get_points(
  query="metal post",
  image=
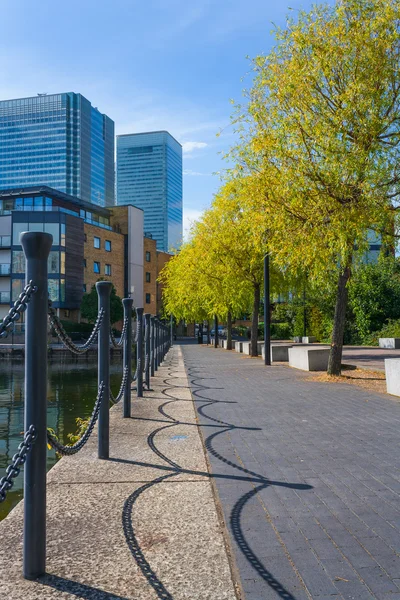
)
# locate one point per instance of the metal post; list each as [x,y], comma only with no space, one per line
[304,310]
[216,331]
[267,316]
[156,336]
[152,345]
[104,291]
[36,248]
[128,304]
[139,353]
[172,331]
[147,349]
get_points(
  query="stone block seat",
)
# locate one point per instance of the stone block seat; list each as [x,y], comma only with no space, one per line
[308,339]
[392,370]
[279,352]
[239,346]
[309,358]
[389,343]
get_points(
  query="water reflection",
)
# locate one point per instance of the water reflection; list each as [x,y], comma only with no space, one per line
[71,393]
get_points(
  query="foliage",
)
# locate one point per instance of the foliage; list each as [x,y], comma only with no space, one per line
[390,330]
[320,141]
[89,306]
[374,296]
[82,425]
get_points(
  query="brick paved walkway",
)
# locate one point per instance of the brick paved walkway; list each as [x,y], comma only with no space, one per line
[308,475]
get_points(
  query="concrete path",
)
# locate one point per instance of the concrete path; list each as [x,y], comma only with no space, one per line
[368,357]
[308,475]
[142,525]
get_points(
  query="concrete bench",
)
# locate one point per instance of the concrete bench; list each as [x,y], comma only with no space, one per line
[392,370]
[308,340]
[247,347]
[389,343]
[297,339]
[279,352]
[309,359]
[239,346]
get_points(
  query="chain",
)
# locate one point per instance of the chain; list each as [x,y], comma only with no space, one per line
[70,450]
[65,338]
[20,305]
[122,388]
[123,334]
[13,469]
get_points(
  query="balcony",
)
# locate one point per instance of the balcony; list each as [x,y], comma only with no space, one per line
[5,241]
[5,298]
[5,269]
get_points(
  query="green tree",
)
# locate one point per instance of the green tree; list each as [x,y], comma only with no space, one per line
[374,296]
[89,306]
[320,135]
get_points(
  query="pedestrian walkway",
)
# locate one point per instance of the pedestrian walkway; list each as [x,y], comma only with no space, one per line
[308,476]
[140,526]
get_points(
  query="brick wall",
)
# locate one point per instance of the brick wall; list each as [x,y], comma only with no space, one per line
[150,267]
[115,258]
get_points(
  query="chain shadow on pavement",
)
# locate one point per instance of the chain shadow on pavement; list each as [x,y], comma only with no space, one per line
[172,469]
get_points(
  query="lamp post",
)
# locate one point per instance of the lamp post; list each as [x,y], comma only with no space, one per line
[267,317]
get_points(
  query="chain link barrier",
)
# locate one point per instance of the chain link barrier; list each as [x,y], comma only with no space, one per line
[125,377]
[20,306]
[13,469]
[65,338]
[70,450]
[123,334]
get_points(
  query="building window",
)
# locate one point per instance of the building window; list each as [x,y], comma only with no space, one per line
[66,313]
[96,242]
[148,298]
[53,262]
[85,237]
[107,270]
[148,256]
[148,277]
[96,267]
[84,262]
[107,245]
[84,288]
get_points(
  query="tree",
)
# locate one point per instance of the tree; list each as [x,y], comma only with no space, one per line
[320,136]
[89,306]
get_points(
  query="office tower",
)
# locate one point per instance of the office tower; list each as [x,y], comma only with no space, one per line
[60,141]
[149,176]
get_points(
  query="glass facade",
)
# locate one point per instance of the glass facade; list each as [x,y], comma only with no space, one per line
[49,223]
[149,176]
[60,141]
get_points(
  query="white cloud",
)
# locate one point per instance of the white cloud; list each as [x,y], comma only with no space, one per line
[190,215]
[191,173]
[190,146]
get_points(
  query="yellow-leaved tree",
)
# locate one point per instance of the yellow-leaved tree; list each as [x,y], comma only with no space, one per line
[321,137]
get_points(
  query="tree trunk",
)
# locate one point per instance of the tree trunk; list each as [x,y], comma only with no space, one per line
[335,356]
[229,332]
[216,340]
[254,322]
[208,332]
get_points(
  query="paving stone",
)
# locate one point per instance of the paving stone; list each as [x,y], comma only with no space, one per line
[325,453]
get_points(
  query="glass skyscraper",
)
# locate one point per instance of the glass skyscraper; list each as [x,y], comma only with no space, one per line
[57,140]
[149,176]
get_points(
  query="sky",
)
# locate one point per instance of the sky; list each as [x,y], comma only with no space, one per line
[149,65]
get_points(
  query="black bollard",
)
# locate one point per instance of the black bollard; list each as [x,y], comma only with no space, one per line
[139,352]
[152,345]
[156,342]
[36,248]
[104,291]
[147,349]
[128,303]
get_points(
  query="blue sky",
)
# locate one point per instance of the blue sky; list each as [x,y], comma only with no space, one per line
[155,64]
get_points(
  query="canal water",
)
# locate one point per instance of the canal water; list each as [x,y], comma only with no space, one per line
[71,393]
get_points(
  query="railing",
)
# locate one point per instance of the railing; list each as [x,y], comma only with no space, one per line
[150,350]
[5,268]
[5,241]
[5,297]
